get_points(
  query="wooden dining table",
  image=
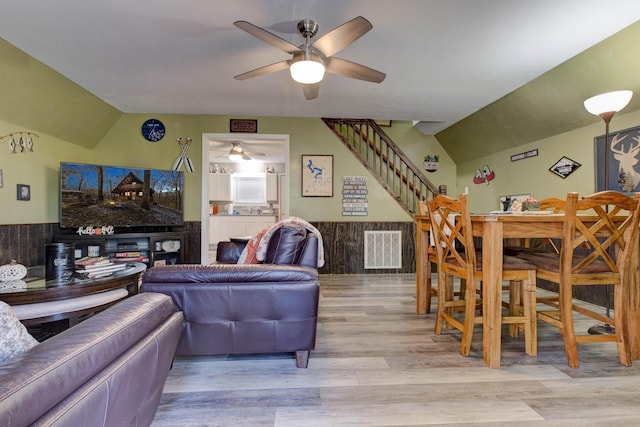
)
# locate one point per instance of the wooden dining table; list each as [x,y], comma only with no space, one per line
[493,229]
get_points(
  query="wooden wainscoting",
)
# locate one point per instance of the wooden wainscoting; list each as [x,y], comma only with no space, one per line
[344,246]
[26,244]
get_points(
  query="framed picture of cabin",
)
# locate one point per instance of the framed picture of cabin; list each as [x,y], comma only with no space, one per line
[615,161]
[317,175]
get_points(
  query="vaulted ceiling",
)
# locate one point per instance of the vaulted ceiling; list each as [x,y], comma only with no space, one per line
[445,59]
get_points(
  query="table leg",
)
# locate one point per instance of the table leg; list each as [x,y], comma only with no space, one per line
[421,274]
[491,292]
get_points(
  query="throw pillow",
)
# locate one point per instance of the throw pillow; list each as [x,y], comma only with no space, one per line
[14,338]
[248,255]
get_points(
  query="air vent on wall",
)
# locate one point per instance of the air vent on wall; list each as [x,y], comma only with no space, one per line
[383,249]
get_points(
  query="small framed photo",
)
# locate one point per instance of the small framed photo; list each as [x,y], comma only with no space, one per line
[507,201]
[24,192]
[317,175]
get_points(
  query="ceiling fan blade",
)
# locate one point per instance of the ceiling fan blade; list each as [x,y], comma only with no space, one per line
[310,91]
[253,153]
[342,36]
[272,68]
[267,37]
[352,70]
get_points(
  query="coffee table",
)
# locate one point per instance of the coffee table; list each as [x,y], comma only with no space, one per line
[43,301]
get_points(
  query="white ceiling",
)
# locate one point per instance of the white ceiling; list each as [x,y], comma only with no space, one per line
[444,59]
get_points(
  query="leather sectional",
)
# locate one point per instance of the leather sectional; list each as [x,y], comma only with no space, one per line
[108,370]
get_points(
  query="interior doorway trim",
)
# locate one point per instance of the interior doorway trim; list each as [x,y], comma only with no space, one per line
[207,138]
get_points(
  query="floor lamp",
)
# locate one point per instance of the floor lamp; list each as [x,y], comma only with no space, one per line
[606,105]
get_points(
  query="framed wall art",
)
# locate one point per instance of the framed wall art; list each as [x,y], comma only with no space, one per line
[615,161]
[317,175]
[24,192]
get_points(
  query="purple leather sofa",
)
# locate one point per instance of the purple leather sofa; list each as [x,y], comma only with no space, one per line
[247,308]
[108,370]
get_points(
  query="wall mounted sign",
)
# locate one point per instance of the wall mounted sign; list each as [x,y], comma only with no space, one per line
[525,155]
[243,125]
[564,167]
[153,130]
[354,196]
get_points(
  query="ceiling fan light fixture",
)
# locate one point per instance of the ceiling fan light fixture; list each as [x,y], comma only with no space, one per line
[235,154]
[307,70]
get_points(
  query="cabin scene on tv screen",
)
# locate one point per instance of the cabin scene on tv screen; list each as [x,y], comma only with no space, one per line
[98,195]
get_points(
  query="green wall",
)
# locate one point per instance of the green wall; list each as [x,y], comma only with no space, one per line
[532,175]
[75,126]
[100,134]
[33,93]
[123,145]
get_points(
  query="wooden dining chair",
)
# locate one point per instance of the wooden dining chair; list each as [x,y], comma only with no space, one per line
[431,262]
[528,245]
[457,257]
[603,225]
[520,245]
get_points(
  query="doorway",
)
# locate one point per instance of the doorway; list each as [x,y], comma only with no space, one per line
[262,151]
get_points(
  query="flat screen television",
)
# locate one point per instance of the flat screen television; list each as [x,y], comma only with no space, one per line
[98,195]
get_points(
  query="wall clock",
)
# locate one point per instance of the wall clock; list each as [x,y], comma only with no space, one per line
[153,130]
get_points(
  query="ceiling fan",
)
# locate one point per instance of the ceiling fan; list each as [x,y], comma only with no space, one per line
[310,60]
[237,152]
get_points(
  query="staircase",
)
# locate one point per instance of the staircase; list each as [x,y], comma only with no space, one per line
[403,180]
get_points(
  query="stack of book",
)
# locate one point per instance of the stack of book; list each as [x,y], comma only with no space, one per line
[96,267]
[133,256]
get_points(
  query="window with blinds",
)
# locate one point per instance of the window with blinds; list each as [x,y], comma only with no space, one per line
[249,188]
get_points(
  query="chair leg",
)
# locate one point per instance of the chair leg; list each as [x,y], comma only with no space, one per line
[621,320]
[442,299]
[529,313]
[429,286]
[515,306]
[469,319]
[568,332]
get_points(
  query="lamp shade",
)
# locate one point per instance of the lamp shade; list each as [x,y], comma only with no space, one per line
[610,102]
[307,71]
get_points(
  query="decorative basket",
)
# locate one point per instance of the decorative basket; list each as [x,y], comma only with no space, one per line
[430,166]
[12,271]
[431,162]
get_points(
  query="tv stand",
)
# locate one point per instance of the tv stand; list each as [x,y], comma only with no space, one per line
[151,248]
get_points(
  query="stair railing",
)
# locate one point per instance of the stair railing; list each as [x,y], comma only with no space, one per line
[401,178]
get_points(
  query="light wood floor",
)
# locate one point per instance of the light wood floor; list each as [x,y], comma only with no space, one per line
[377,363]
